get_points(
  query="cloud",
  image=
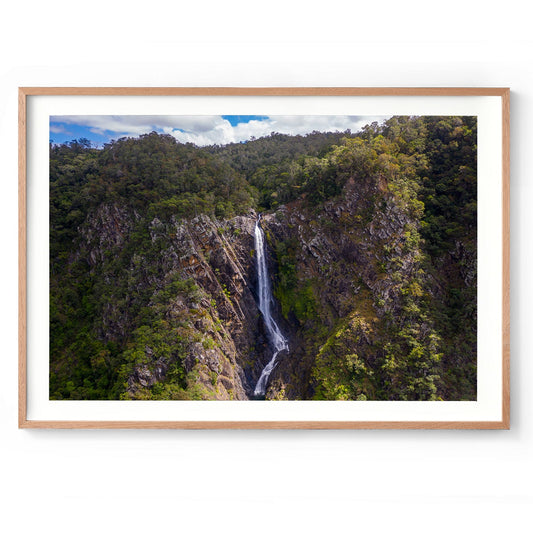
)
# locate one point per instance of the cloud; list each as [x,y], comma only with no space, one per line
[223,132]
[205,130]
[113,126]
[58,128]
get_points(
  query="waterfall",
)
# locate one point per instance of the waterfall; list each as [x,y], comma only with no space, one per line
[277,340]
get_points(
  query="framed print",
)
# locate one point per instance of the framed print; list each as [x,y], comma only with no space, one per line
[264,258]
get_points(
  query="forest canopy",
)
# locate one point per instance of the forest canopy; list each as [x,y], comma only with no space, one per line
[111,291]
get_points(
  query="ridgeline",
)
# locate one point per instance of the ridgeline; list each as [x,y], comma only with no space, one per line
[371,241]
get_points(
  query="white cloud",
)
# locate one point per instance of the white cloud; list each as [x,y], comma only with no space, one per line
[223,132]
[58,128]
[204,130]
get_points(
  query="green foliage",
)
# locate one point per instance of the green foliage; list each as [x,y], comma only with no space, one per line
[282,168]
[295,296]
[112,297]
[339,372]
[423,347]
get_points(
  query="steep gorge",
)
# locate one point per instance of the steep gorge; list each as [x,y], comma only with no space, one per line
[154,293]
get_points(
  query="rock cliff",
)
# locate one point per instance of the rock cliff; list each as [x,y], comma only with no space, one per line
[371,249]
[346,275]
[224,345]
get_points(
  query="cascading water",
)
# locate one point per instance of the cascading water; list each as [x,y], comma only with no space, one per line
[276,338]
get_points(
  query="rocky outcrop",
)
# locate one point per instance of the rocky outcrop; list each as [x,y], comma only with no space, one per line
[106,229]
[225,345]
[219,257]
[347,275]
[354,259]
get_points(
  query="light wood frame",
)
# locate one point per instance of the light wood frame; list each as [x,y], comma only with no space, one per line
[503,93]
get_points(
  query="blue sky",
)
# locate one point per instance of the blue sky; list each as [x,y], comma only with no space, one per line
[201,130]
[237,119]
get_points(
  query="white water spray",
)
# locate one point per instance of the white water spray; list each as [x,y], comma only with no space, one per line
[276,338]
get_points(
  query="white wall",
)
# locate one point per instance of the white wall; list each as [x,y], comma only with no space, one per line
[268,480]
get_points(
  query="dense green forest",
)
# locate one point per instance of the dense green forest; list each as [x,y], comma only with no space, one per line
[372,240]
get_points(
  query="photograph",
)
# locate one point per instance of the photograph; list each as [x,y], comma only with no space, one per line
[263,257]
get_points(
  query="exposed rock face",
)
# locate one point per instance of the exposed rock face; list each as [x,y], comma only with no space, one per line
[218,257]
[106,230]
[226,348]
[353,261]
[345,274]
